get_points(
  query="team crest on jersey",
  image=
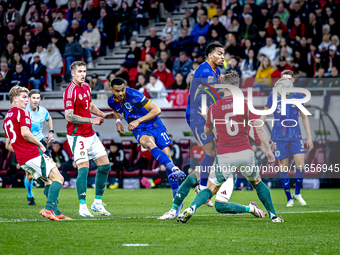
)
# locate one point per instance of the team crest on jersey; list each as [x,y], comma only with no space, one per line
[85,95]
[80,97]
[277,153]
[82,153]
[203,136]
[28,121]
[210,79]
[68,103]
[128,105]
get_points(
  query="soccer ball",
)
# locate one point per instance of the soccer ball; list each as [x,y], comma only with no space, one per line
[283,83]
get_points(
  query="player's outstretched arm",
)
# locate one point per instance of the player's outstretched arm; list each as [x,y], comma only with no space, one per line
[306,124]
[29,137]
[94,110]
[119,125]
[8,145]
[154,111]
[264,139]
[70,117]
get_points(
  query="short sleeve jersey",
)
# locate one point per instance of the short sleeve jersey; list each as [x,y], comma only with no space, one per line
[37,120]
[78,98]
[14,120]
[133,107]
[286,127]
[232,130]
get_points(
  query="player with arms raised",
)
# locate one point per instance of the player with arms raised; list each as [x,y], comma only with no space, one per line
[30,152]
[233,152]
[289,141]
[146,126]
[82,139]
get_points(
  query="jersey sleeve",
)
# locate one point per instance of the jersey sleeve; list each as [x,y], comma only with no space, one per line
[25,118]
[250,115]
[254,137]
[209,123]
[69,99]
[112,103]
[269,103]
[47,115]
[138,99]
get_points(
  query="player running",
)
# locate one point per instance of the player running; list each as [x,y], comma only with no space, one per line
[233,152]
[30,152]
[289,141]
[39,115]
[82,139]
[142,116]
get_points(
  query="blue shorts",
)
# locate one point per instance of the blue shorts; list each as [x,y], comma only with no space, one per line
[285,149]
[160,134]
[201,137]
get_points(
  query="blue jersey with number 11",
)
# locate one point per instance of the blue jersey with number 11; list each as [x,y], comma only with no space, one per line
[286,127]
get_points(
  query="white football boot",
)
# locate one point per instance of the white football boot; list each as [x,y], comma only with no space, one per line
[254,210]
[99,207]
[84,212]
[168,215]
[299,198]
[290,203]
[186,215]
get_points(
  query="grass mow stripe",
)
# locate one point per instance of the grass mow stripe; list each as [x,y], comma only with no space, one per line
[152,217]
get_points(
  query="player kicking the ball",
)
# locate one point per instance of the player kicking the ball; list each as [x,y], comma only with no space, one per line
[289,141]
[30,152]
[82,139]
[233,152]
[146,126]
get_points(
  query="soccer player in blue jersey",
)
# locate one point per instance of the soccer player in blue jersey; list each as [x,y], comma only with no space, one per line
[142,116]
[206,75]
[39,115]
[289,141]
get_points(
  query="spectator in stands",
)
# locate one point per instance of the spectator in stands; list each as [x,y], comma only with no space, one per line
[283,65]
[19,77]
[9,54]
[217,26]
[164,74]
[11,39]
[73,52]
[323,46]
[150,62]
[313,29]
[12,15]
[59,42]
[44,11]
[277,23]
[175,152]
[199,49]
[180,81]
[318,82]
[75,30]
[211,12]
[125,24]
[26,54]
[48,21]
[234,66]
[29,41]
[234,28]
[298,29]
[183,25]
[333,26]
[63,162]
[122,72]
[282,13]
[141,14]
[78,16]
[42,53]
[249,30]
[169,43]
[90,11]
[140,82]
[299,64]
[5,72]
[165,58]
[19,60]
[200,29]
[146,68]
[155,86]
[232,47]
[317,64]
[235,6]
[104,24]
[72,8]
[147,48]
[283,44]
[189,18]
[53,62]
[222,18]
[32,16]
[269,50]
[170,28]
[96,84]
[183,43]
[133,56]
[333,59]
[107,84]
[4,87]
[264,16]
[248,65]
[40,35]
[163,47]
[332,82]
[118,163]
[90,41]
[60,24]
[263,75]
[62,3]
[296,12]
[37,72]
[155,41]
[182,64]
[199,6]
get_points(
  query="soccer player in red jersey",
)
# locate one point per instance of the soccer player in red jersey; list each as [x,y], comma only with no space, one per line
[233,152]
[82,139]
[30,152]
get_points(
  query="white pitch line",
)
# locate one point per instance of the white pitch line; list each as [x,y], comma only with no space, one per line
[154,217]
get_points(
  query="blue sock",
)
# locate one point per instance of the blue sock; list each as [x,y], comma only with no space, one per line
[29,186]
[162,158]
[298,180]
[285,184]
[173,184]
[206,163]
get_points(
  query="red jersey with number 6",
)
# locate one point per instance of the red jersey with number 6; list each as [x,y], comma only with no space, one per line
[14,120]
[232,129]
[78,99]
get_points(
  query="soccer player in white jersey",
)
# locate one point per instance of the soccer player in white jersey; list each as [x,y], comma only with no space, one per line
[82,139]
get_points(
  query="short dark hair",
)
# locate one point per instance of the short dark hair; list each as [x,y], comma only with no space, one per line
[215,16]
[182,53]
[160,62]
[211,47]
[153,76]
[34,91]
[287,72]
[69,35]
[117,81]
[75,64]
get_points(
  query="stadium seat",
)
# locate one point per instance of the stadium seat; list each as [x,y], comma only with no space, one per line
[67,148]
[107,143]
[132,74]
[62,73]
[321,156]
[184,145]
[6,164]
[128,150]
[153,164]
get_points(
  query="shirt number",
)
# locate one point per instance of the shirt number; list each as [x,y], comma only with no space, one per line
[87,105]
[229,124]
[11,129]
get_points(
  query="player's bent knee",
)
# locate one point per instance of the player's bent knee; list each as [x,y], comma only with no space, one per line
[104,169]
[220,207]
[55,176]
[29,177]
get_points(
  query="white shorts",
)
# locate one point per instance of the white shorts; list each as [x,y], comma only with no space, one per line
[228,163]
[225,191]
[86,148]
[40,166]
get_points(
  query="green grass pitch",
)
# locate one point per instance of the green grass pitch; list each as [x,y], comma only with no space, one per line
[313,229]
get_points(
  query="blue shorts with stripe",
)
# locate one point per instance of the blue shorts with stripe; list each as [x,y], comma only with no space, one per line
[286,149]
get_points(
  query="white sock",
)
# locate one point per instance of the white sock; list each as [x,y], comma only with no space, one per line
[82,206]
[98,201]
[203,187]
[251,208]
